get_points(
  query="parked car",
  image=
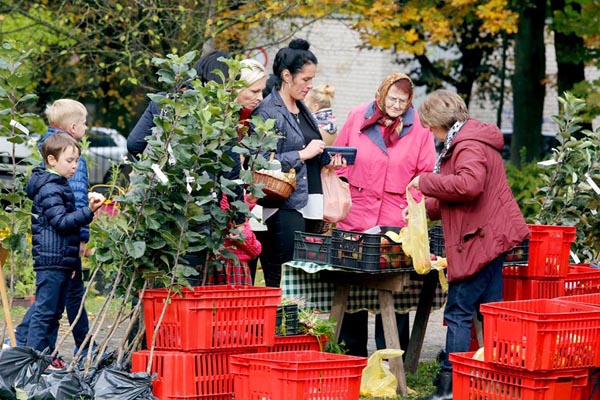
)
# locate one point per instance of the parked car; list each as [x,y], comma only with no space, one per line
[107,147]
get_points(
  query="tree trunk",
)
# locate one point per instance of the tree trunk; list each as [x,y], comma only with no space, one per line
[528,81]
[570,53]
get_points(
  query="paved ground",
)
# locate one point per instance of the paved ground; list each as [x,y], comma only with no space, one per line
[435,336]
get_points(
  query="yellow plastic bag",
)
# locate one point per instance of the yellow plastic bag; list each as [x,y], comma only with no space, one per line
[415,240]
[377,379]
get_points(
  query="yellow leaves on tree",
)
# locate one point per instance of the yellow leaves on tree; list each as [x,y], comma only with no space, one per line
[411,26]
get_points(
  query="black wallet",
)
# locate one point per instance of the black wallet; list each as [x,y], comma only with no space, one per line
[349,153]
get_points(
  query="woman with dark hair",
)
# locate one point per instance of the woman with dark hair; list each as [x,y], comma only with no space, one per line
[294,69]
[393,147]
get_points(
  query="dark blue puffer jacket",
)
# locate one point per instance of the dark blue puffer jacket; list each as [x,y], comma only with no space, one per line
[78,182]
[55,221]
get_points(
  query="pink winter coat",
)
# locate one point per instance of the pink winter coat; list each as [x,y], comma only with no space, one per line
[479,214]
[379,176]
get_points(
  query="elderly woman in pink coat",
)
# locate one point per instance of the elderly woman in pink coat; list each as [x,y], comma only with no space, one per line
[393,148]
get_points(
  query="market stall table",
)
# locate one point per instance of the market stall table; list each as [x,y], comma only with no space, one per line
[336,291]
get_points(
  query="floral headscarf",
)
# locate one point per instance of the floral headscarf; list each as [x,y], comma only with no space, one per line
[391,126]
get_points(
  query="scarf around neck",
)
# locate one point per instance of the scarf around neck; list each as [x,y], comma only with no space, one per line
[452,132]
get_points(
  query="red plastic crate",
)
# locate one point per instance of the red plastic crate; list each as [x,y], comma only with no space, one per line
[592,299]
[296,343]
[184,375]
[212,317]
[474,379]
[519,288]
[541,334]
[582,279]
[549,250]
[297,375]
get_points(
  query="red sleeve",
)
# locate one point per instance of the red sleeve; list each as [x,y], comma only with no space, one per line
[251,246]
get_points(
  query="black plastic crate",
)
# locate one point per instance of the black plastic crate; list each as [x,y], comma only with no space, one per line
[312,247]
[436,241]
[372,252]
[519,255]
[286,320]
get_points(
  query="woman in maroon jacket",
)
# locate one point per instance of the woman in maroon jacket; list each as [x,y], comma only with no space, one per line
[469,192]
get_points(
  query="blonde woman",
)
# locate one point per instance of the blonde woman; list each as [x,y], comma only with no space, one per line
[319,101]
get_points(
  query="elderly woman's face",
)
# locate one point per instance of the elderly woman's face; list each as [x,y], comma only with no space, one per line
[249,97]
[396,102]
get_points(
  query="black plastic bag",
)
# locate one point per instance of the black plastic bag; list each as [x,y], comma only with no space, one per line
[21,367]
[112,384]
[106,361]
[61,385]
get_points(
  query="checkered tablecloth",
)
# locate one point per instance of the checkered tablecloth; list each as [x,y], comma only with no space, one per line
[302,280]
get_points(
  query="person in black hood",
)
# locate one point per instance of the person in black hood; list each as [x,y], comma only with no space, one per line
[205,68]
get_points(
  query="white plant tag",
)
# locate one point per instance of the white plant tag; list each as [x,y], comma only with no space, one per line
[188,179]
[575,259]
[547,163]
[172,160]
[591,182]
[159,174]
[19,126]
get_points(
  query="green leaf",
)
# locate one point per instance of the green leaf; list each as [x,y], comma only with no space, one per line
[135,249]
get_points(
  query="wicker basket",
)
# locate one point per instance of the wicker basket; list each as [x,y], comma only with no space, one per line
[275,188]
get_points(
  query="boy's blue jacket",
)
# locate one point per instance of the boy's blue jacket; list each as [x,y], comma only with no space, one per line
[55,221]
[79,182]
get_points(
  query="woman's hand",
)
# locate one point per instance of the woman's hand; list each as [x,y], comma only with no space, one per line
[337,162]
[413,184]
[314,148]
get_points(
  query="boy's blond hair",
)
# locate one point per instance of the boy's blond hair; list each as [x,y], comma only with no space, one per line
[64,112]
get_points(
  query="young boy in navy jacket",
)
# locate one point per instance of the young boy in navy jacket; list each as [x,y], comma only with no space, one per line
[56,224]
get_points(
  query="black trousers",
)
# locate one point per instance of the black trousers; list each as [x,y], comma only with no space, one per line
[253,264]
[278,247]
[355,333]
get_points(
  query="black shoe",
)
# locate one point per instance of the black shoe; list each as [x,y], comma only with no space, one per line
[441,356]
[443,381]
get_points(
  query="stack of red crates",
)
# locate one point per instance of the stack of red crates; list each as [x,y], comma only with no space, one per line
[547,265]
[590,297]
[541,348]
[533,350]
[200,330]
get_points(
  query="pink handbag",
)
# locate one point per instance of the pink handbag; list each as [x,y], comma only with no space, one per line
[336,196]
